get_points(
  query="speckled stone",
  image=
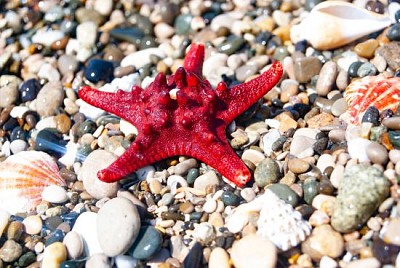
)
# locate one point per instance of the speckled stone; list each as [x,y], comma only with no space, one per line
[353,206]
[10,251]
[8,90]
[267,172]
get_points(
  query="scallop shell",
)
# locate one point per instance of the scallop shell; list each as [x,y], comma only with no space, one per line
[332,24]
[278,221]
[378,91]
[23,177]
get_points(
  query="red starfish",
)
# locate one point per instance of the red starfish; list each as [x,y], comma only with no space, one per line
[193,123]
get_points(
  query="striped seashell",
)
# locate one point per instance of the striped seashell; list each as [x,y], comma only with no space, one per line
[378,91]
[23,177]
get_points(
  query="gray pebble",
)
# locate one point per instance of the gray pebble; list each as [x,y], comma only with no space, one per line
[326,78]
[339,107]
[10,251]
[306,68]
[183,167]
[392,122]
[285,193]
[342,80]
[377,153]
[245,71]
[366,69]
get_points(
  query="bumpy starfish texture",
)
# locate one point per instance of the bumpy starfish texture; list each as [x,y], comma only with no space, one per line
[191,122]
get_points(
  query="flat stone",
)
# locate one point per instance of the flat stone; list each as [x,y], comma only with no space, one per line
[118,224]
[54,194]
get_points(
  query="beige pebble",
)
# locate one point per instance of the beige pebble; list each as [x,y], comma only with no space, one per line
[298,166]
[318,218]
[74,244]
[253,156]
[367,48]
[54,255]
[33,224]
[392,234]
[4,216]
[320,200]
[324,241]
[219,258]
[365,263]
[210,206]
[262,254]
[377,153]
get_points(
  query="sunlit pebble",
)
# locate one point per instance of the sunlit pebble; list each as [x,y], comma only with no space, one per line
[172,93]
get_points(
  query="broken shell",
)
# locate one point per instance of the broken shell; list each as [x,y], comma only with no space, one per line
[332,24]
[378,91]
[278,221]
[23,177]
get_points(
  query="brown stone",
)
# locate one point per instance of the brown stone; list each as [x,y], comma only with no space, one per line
[320,120]
[366,49]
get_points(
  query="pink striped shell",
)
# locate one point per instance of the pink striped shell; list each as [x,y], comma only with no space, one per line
[23,177]
[378,91]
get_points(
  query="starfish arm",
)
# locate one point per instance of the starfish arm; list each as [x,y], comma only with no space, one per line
[239,98]
[117,103]
[221,157]
[194,59]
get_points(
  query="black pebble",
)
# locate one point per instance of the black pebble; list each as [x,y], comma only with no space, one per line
[99,70]
[371,115]
[29,89]
[50,141]
[353,68]
[394,32]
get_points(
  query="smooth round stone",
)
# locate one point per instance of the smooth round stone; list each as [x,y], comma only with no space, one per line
[74,244]
[167,199]
[131,34]
[29,89]
[394,32]
[353,68]
[231,46]
[54,255]
[392,122]
[267,172]
[104,7]
[219,258]
[326,78]
[230,199]
[8,90]
[353,206]
[18,145]
[342,80]
[305,68]
[183,167]
[67,64]
[301,146]
[392,233]
[182,24]
[147,243]
[33,224]
[394,156]
[123,261]
[63,123]
[324,161]
[339,107]
[98,260]
[254,156]
[54,194]
[285,193]
[366,69]
[207,179]
[298,166]
[310,189]
[377,153]
[367,48]
[15,230]
[262,254]
[86,226]
[27,259]
[99,70]
[324,241]
[245,71]
[210,206]
[371,115]
[163,30]
[10,251]
[394,137]
[50,141]
[118,224]
[49,98]
[357,149]
[97,160]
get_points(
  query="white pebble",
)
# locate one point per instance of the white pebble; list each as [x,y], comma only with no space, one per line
[357,149]
[210,206]
[74,244]
[4,216]
[124,261]
[86,227]
[54,194]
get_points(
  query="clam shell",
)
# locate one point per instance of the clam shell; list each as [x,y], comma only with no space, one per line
[23,177]
[378,91]
[332,24]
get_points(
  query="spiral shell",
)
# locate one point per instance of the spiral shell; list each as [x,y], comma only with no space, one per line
[23,177]
[378,91]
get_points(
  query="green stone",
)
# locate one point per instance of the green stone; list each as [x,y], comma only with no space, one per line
[26,259]
[310,189]
[361,191]
[132,34]
[394,137]
[267,172]
[232,45]
[285,193]
[182,24]
[376,133]
[230,199]
[280,53]
[147,243]
[192,175]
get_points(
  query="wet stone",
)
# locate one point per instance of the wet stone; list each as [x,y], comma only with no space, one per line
[182,24]
[371,115]
[394,137]
[285,193]
[353,68]
[99,70]
[49,98]
[147,243]
[366,69]
[50,141]
[232,45]
[29,89]
[26,259]
[310,189]
[230,199]
[394,32]
[366,49]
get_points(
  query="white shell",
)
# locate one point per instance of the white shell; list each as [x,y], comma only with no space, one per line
[332,24]
[278,221]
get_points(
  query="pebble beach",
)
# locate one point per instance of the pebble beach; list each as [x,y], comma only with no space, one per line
[322,147]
